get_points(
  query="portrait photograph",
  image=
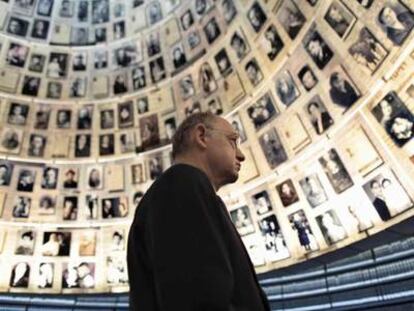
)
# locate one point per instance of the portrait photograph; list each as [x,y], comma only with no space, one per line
[18,114]
[44,7]
[49,177]
[272,42]
[239,44]
[46,274]
[54,90]
[85,115]
[107,119]
[331,227]
[26,180]
[342,89]
[237,124]
[207,81]
[157,69]
[21,207]
[56,243]
[100,59]
[272,148]
[335,171]
[214,105]
[26,242]
[37,63]
[387,195]
[91,206]
[242,220]
[300,224]
[63,118]
[313,189]
[40,29]
[117,241]
[212,30]
[20,275]
[319,117]
[127,142]
[31,85]
[187,20]
[100,11]
[201,7]
[396,21]
[120,83]
[87,243]
[142,105]
[70,208]
[339,18]
[178,56]
[42,117]
[253,72]
[78,275]
[291,18]
[262,111]
[367,51]
[138,77]
[94,177]
[78,87]
[71,178]
[287,192]
[186,87]
[17,26]
[149,130]
[11,140]
[58,65]
[6,172]
[286,88]
[193,39]
[229,10]
[396,119]
[155,166]
[125,114]
[170,126]
[114,208]
[223,63]
[79,61]
[256,16]
[126,55]
[366,4]
[17,55]
[261,203]
[47,205]
[82,145]
[307,77]
[275,245]
[138,173]
[66,8]
[37,145]
[117,273]
[153,43]
[154,13]
[318,50]
[118,30]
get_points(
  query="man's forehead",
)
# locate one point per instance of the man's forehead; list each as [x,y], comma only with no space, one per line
[224,125]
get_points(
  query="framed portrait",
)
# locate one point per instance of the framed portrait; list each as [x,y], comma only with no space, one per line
[342,90]
[118,29]
[335,171]
[237,124]
[272,148]
[178,57]
[307,77]
[261,202]
[139,79]
[42,117]
[287,192]
[291,18]
[114,207]
[94,177]
[46,275]
[20,274]
[100,59]
[70,208]
[44,7]
[18,114]
[117,241]
[142,105]
[318,116]
[154,13]
[37,62]
[21,207]
[76,275]
[271,42]
[318,50]
[11,140]
[47,205]
[340,19]
[17,55]
[300,225]
[116,271]
[120,83]
[186,20]
[100,11]
[66,8]
[242,220]
[286,88]
[155,166]
[26,242]
[40,29]
[92,206]
[63,118]
[82,145]
[186,87]
[6,172]
[58,65]
[263,110]
[100,34]
[17,26]
[331,227]
[79,61]
[54,90]
[387,195]
[31,85]
[125,114]
[256,16]
[275,245]
[153,43]
[85,115]
[228,10]
[170,126]
[396,119]
[26,180]
[239,44]
[56,243]
[71,178]
[223,63]
[149,130]
[107,119]
[138,173]
[127,142]
[49,177]
[157,69]
[253,72]
[78,87]
[212,30]
[313,190]
[87,243]
[24,7]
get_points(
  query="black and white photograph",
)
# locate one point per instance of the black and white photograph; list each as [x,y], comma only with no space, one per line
[366,4]
[44,7]
[126,55]
[37,62]
[319,117]
[6,172]
[56,243]
[82,145]
[50,177]
[239,44]
[212,30]
[272,148]
[47,205]
[26,242]
[272,42]
[155,166]
[242,220]
[202,6]
[262,111]
[193,39]
[138,173]
[118,241]
[154,13]
[170,127]
[11,140]
[87,243]
[118,30]
[21,207]
[261,202]
[92,206]
[100,59]
[116,271]
[149,130]
[256,16]
[20,275]
[229,10]
[71,178]
[287,192]
[178,56]
[396,119]
[125,114]
[223,63]
[318,49]
[300,224]
[186,87]
[24,7]
[335,171]
[157,70]
[214,105]
[139,80]
[30,85]
[42,117]
[342,91]
[275,245]
[331,227]
[100,11]
[70,208]
[79,61]
[100,34]
[66,8]
[26,180]
[187,20]
[40,29]
[339,18]
[207,81]
[120,83]
[94,177]
[106,144]
[142,105]
[78,87]
[291,18]
[54,90]
[58,65]
[253,72]
[114,208]
[313,189]
[18,114]
[107,119]
[17,55]
[153,44]
[85,114]
[78,275]
[46,274]
[63,118]
[396,21]
[307,77]
[367,51]
[286,88]
[17,26]
[238,126]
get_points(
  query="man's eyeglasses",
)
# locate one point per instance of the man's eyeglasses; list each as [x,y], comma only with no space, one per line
[233,137]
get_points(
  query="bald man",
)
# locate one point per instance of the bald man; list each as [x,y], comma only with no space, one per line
[184,252]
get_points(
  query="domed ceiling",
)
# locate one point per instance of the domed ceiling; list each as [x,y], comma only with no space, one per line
[92,91]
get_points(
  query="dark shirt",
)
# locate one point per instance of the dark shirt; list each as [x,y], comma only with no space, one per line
[185,254]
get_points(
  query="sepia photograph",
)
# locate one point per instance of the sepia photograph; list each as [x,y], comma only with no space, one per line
[56,243]
[287,192]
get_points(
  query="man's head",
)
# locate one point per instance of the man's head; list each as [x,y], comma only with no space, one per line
[210,143]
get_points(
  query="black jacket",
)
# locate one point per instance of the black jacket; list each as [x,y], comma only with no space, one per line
[184,254]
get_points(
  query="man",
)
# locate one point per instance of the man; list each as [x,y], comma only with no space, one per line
[184,253]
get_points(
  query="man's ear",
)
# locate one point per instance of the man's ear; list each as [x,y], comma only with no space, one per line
[200,136]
